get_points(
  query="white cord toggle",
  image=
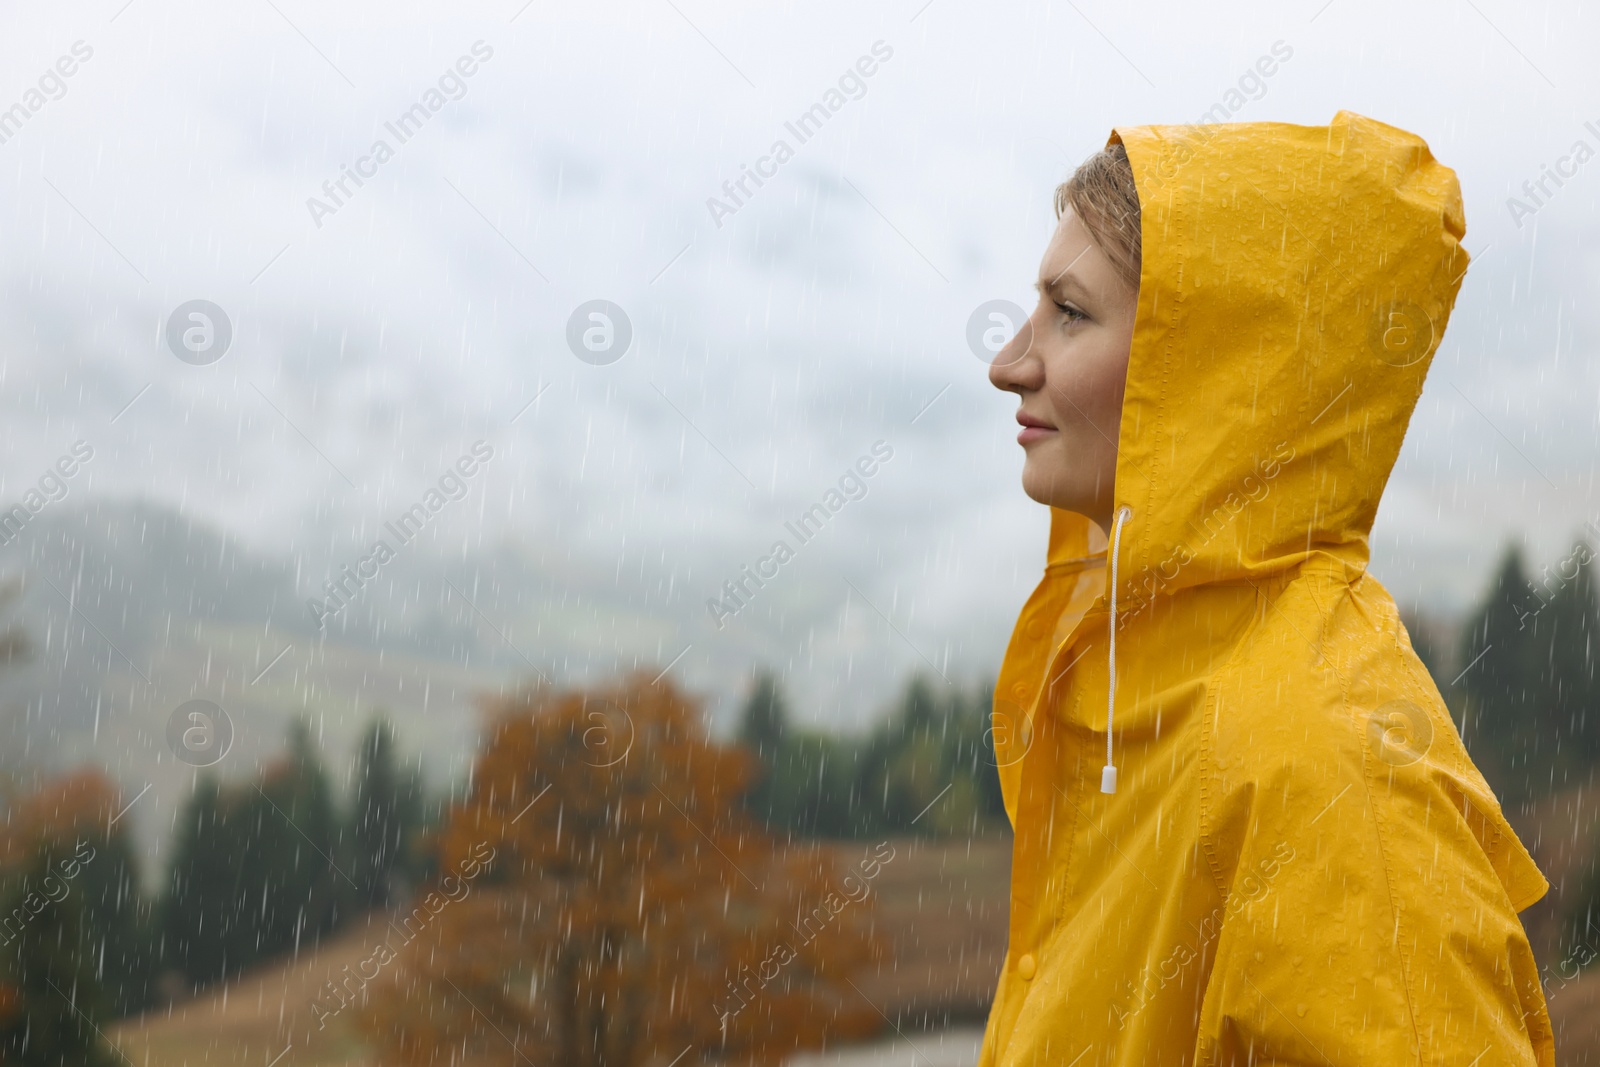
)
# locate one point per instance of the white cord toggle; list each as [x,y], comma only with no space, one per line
[1108,774]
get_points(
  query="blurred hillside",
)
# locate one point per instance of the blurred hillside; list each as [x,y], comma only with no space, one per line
[132,609]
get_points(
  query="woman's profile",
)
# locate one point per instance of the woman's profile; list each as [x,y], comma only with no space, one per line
[1246,828]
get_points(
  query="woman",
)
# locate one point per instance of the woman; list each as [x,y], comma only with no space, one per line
[1247,831]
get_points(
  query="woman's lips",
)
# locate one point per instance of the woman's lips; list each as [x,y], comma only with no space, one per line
[1033,429]
[1031,434]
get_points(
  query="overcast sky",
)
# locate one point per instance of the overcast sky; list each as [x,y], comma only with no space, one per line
[377,337]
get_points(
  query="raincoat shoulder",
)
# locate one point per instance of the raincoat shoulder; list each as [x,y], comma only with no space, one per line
[1339,791]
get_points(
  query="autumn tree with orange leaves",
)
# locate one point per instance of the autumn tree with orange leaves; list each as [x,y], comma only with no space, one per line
[608,902]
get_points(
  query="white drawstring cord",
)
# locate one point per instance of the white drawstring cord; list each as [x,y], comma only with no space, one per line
[1108,774]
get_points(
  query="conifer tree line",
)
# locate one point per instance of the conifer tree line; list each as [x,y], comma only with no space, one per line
[927,769]
[271,867]
[260,870]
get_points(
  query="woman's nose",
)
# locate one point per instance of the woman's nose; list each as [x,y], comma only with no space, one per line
[1016,365]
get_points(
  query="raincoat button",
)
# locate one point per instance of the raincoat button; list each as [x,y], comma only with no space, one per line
[1025,967]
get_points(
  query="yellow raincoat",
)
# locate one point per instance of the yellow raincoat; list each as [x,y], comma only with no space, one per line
[1299,863]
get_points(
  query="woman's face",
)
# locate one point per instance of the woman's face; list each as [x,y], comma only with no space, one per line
[1069,364]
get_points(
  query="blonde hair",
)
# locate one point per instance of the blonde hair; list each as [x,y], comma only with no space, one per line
[1101,192]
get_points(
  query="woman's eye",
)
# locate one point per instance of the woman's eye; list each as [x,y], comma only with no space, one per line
[1071,312]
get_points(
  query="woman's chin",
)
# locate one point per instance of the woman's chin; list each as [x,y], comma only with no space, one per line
[1047,488]
[1058,493]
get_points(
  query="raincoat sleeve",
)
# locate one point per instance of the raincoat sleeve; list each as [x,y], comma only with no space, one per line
[1371,903]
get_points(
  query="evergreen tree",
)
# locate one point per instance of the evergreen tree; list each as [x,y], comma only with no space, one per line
[1529,691]
[921,713]
[973,764]
[55,999]
[1499,685]
[254,872]
[198,913]
[15,645]
[295,872]
[763,729]
[811,787]
[420,816]
[766,717]
[118,920]
[381,818]
[1568,627]
[903,766]
[927,768]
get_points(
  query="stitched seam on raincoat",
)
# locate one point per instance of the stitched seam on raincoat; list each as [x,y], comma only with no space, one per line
[1258,615]
[1208,741]
[1207,746]
[1175,224]
[1058,906]
[1407,972]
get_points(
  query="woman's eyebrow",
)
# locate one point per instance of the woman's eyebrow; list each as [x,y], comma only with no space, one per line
[1065,280]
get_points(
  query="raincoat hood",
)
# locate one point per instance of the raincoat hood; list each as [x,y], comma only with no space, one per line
[1271,723]
[1297,278]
